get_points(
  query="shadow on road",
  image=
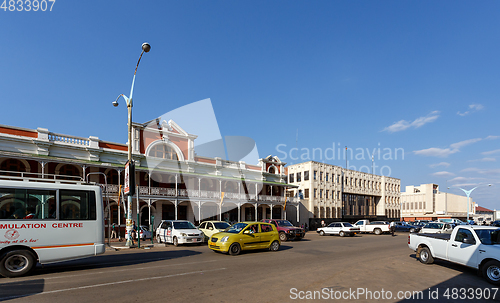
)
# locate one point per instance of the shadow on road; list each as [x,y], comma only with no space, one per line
[16,289]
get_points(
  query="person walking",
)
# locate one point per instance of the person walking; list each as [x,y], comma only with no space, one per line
[393,227]
[113,231]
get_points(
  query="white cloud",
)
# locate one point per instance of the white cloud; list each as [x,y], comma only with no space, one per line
[443,174]
[460,144]
[445,152]
[403,124]
[472,108]
[491,152]
[494,171]
[492,137]
[436,152]
[445,164]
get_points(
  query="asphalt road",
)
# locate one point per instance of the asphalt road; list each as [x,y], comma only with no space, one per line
[330,268]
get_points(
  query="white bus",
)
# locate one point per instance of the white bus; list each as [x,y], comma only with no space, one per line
[48,221]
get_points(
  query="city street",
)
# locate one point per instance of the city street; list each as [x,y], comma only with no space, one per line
[350,268]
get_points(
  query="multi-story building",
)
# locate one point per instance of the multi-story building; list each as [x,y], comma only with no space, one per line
[427,202]
[173,181]
[331,191]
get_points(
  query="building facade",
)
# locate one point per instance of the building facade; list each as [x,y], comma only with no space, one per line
[427,202]
[333,192]
[173,181]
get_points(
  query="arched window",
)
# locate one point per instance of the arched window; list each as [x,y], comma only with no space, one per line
[163,151]
[12,165]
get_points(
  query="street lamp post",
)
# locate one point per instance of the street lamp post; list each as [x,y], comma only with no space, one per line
[145,48]
[468,192]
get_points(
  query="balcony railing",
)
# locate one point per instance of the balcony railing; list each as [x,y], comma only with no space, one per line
[202,194]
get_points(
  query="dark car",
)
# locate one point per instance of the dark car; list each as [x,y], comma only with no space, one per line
[403,226]
[495,223]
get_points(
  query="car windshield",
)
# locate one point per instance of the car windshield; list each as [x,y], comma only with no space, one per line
[488,236]
[184,225]
[347,224]
[221,225]
[283,223]
[236,228]
[434,225]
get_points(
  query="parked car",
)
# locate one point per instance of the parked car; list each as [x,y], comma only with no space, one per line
[286,229]
[495,223]
[178,232]
[470,245]
[211,227]
[376,227]
[437,228]
[403,226]
[245,236]
[338,228]
[144,233]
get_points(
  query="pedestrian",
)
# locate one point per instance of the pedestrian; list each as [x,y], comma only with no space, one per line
[393,227]
[134,231]
[113,232]
[322,223]
[305,227]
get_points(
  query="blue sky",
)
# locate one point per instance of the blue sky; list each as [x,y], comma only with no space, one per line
[418,76]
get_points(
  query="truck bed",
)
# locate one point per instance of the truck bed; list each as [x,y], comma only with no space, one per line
[435,236]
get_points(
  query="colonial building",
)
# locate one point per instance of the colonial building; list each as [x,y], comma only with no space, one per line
[331,191]
[173,181]
[427,202]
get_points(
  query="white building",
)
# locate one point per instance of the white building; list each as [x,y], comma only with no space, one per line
[174,182]
[427,202]
[331,191]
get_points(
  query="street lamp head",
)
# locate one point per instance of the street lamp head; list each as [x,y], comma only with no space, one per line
[146,47]
[115,103]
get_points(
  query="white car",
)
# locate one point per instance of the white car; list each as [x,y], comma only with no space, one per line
[144,233]
[338,228]
[437,228]
[178,232]
[211,227]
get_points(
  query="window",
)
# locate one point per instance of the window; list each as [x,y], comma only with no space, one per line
[306,193]
[290,178]
[326,177]
[266,228]
[27,203]
[464,234]
[315,191]
[314,175]
[299,177]
[77,205]
[321,193]
[163,151]
[327,192]
[306,175]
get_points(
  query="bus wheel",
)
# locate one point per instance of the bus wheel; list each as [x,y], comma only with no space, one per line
[16,263]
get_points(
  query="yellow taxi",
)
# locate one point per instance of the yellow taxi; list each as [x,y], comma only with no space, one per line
[246,236]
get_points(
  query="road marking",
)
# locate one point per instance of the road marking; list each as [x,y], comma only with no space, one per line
[112,283]
[121,270]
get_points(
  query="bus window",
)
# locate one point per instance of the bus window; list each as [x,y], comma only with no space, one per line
[77,205]
[25,203]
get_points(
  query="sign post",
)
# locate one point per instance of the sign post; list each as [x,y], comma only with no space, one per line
[129,190]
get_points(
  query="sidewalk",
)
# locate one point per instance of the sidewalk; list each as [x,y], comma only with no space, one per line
[115,244]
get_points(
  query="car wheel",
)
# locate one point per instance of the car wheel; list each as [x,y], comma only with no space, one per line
[175,241]
[341,233]
[16,263]
[234,249]
[275,246]
[491,271]
[425,256]
[377,231]
[283,237]
[322,233]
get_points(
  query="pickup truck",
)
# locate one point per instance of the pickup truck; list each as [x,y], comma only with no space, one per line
[375,227]
[286,229]
[473,246]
